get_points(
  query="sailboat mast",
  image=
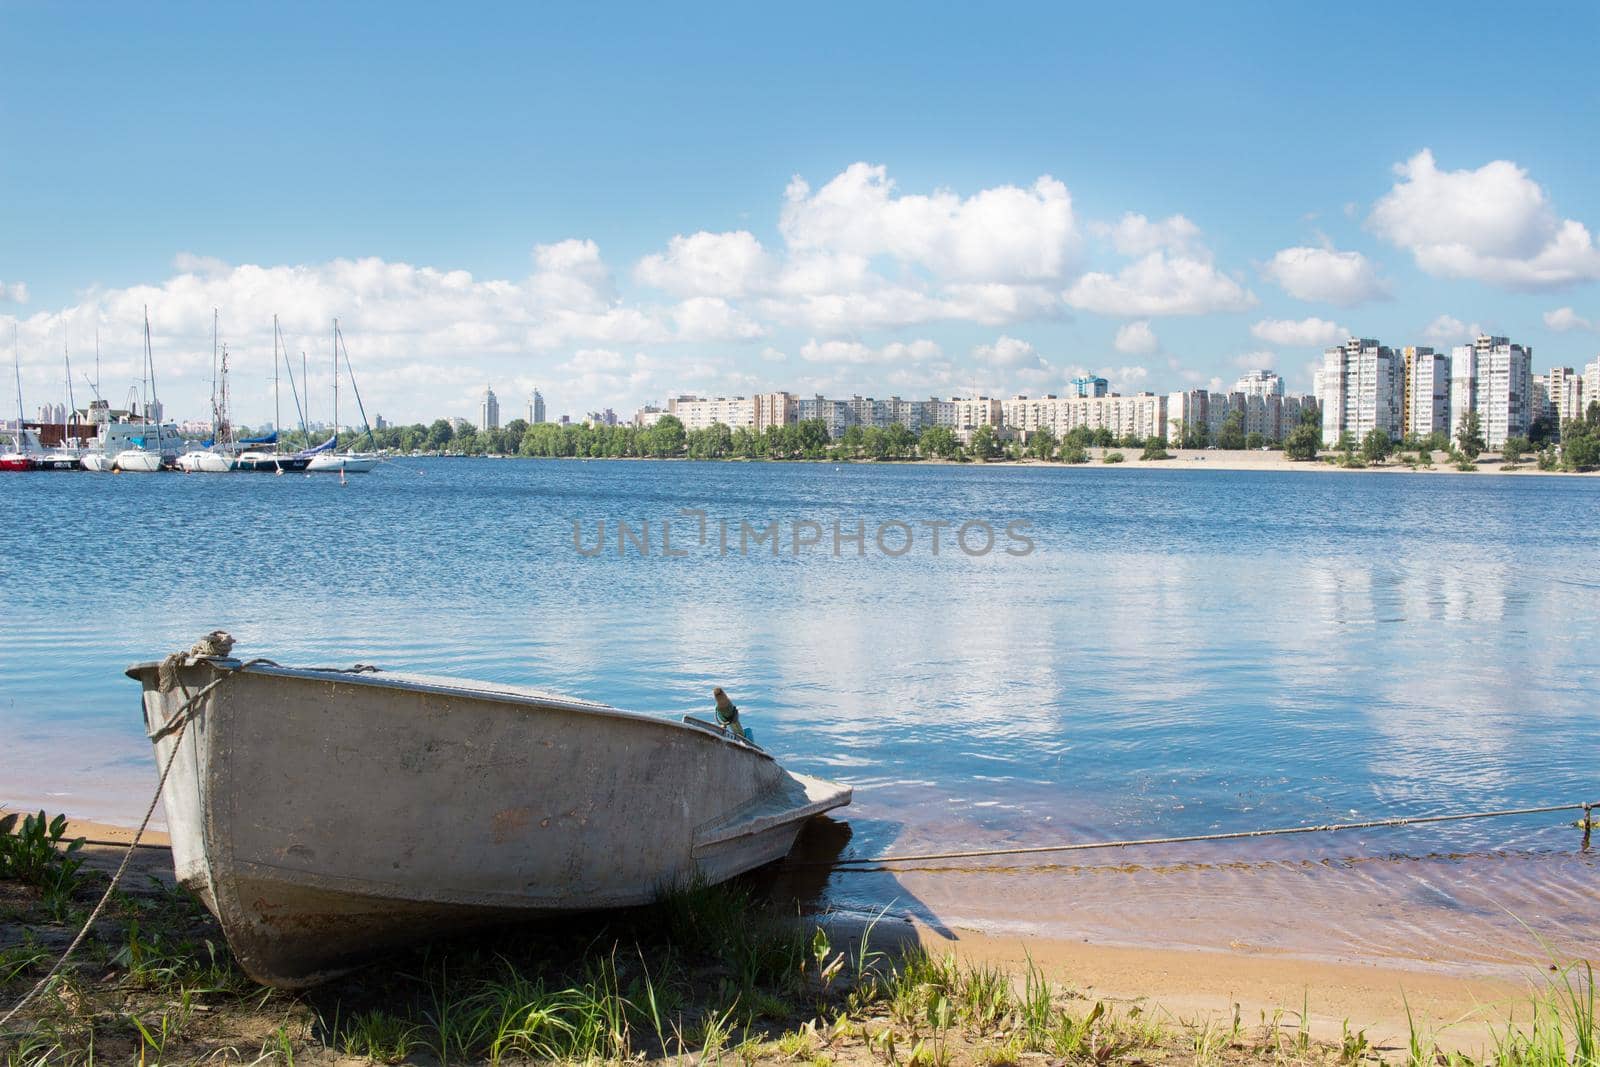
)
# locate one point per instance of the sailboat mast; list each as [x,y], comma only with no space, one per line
[333,343]
[150,362]
[16,362]
[277,408]
[213,373]
[72,402]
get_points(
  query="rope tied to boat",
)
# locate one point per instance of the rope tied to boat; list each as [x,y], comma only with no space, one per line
[213,650]
[864,864]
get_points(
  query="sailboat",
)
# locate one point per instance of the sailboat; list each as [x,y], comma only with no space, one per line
[259,460]
[15,458]
[146,456]
[212,457]
[343,462]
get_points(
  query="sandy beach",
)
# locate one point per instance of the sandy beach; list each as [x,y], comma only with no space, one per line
[1188,987]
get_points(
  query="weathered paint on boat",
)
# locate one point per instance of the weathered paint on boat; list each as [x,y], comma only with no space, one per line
[324,817]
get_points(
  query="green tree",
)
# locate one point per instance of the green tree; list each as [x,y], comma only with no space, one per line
[1042,443]
[666,438]
[1376,446]
[1470,437]
[1303,442]
[984,443]
[1074,453]
[1255,440]
[898,440]
[1155,448]
[1230,434]
[439,434]
[1515,449]
[937,441]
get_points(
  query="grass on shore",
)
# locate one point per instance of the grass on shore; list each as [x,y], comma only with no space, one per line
[707,975]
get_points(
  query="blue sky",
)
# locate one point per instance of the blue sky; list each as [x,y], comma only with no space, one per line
[355,161]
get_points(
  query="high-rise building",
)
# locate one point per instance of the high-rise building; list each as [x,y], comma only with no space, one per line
[1426,392]
[1494,378]
[1566,396]
[536,407]
[1259,383]
[489,411]
[1591,385]
[1359,389]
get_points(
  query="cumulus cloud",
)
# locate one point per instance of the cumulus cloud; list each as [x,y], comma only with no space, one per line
[1343,278]
[897,352]
[1563,319]
[708,264]
[1007,353]
[1001,234]
[1137,338]
[1136,235]
[710,318]
[1311,332]
[13,293]
[1447,328]
[1162,283]
[1256,360]
[1493,224]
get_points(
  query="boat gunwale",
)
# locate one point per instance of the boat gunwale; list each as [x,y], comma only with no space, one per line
[446,685]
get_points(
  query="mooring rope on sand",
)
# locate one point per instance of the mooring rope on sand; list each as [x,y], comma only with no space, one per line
[867,863]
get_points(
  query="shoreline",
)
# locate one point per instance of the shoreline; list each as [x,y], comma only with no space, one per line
[1463,1008]
[1180,459]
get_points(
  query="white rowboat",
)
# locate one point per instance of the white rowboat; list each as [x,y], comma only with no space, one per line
[326,816]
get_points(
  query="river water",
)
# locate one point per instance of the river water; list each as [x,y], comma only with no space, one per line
[1143,653]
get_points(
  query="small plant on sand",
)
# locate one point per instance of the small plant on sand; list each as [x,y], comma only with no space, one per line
[1112,457]
[1353,1046]
[35,853]
[379,1036]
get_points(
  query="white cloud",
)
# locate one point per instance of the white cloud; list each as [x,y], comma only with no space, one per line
[1007,353]
[898,352]
[708,264]
[1493,224]
[14,293]
[1134,235]
[1563,319]
[710,318]
[1161,284]
[1001,234]
[1343,278]
[1137,338]
[1447,328]
[1303,332]
[1262,360]
[1128,379]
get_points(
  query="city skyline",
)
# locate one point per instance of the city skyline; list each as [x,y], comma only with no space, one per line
[849,223]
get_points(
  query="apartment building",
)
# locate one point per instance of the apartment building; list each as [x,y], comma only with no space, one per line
[1360,388]
[1494,378]
[1143,414]
[1259,383]
[1425,391]
[1563,396]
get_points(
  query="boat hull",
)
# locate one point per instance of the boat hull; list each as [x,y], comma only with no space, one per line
[270,464]
[325,818]
[350,464]
[98,462]
[204,463]
[137,461]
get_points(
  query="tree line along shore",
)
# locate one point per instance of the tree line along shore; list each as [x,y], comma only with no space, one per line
[1575,449]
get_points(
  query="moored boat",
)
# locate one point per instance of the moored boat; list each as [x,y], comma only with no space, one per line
[326,816]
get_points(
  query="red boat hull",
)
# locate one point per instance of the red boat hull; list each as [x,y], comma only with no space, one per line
[15,463]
